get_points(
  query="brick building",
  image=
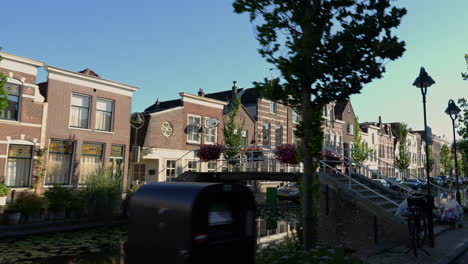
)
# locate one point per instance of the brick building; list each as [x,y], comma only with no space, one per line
[344,111]
[21,123]
[172,131]
[87,125]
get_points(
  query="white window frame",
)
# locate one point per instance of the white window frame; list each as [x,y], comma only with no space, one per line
[190,164]
[189,129]
[174,169]
[208,169]
[273,107]
[215,129]
[111,128]
[89,110]
[295,117]
[350,129]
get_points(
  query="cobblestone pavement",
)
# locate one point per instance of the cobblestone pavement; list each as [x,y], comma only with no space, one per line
[447,243]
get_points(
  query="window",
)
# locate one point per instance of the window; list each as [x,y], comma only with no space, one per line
[295,117]
[59,162]
[273,107]
[212,166]
[19,165]
[170,169]
[294,138]
[116,159]
[104,114]
[210,135]
[191,165]
[266,134]
[325,112]
[350,129]
[139,172]
[373,140]
[245,138]
[193,124]
[11,112]
[91,160]
[79,113]
[278,135]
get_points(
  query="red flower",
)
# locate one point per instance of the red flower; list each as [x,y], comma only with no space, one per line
[286,153]
[210,152]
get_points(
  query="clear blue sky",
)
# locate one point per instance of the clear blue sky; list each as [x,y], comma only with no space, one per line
[165,47]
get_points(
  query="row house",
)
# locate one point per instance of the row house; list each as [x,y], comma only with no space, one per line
[370,134]
[332,129]
[78,117]
[437,143]
[171,133]
[344,111]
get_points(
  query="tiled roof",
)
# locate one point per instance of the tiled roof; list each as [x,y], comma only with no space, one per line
[89,72]
[160,106]
[248,95]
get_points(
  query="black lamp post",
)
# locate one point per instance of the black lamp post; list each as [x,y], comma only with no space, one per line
[136,121]
[453,111]
[423,81]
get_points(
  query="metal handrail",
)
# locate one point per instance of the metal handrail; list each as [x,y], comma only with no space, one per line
[361,184]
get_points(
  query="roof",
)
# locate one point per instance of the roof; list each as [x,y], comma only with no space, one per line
[161,106]
[248,95]
[89,72]
[340,107]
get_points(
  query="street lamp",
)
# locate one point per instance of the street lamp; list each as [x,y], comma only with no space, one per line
[136,121]
[453,111]
[423,81]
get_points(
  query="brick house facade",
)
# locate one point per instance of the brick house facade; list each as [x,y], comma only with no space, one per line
[87,125]
[21,123]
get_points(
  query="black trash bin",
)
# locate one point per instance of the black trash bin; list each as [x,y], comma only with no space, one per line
[181,222]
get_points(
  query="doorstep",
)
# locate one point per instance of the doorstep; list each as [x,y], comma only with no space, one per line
[21,230]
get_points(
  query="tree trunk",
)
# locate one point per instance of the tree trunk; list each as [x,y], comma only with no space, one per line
[311,151]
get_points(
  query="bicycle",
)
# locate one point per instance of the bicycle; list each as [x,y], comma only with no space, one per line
[417,224]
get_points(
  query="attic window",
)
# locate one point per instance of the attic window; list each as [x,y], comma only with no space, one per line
[349,109]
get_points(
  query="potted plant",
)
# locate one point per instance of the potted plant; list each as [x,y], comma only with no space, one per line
[286,153]
[4,191]
[12,214]
[210,152]
[32,207]
[59,199]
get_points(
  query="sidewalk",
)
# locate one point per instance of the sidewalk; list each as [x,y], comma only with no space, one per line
[448,246]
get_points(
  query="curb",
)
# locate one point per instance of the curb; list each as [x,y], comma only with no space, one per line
[459,250]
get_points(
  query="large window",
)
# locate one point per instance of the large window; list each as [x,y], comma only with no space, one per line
[266,134]
[11,112]
[245,138]
[19,165]
[170,169]
[59,162]
[193,125]
[191,165]
[79,113]
[104,114]
[212,166]
[91,160]
[350,129]
[278,135]
[116,159]
[295,117]
[210,135]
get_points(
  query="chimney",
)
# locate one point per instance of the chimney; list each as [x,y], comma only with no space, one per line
[380,121]
[200,92]
[157,103]
[234,90]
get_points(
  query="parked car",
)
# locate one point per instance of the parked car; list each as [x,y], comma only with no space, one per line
[422,183]
[413,183]
[289,192]
[465,179]
[382,181]
[444,179]
[437,180]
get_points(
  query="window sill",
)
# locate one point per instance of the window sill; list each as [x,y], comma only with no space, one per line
[51,185]
[77,128]
[103,131]
[19,189]
[9,121]
[193,143]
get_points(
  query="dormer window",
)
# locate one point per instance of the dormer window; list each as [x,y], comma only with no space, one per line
[11,112]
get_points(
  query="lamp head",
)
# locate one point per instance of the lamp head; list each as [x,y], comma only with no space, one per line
[423,80]
[452,109]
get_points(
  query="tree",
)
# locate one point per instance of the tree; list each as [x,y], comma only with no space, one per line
[465,75]
[402,161]
[325,51]
[3,93]
[446,159]
[359,156]
[462,145]
[431,159]
[232,133]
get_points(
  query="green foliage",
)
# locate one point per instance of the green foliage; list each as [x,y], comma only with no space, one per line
[431,160]
[465,75]
[446,159]
[78,199]
[31,204]
[287,253]
[359,156]
[3,93]
[4,190]
[462,145]
[104,192]
[59,197]
[325,51]
[232,133]
[402,161]
[39,169]
[463,118]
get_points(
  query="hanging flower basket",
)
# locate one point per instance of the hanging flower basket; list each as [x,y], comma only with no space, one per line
[286,153]
[331,158]
[254,152]
[210,152]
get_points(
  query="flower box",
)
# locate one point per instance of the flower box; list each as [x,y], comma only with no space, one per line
[210,152]
[286,153]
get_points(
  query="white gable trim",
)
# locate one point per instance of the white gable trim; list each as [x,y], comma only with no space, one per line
[20,64]
[89,81]
[201,100]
